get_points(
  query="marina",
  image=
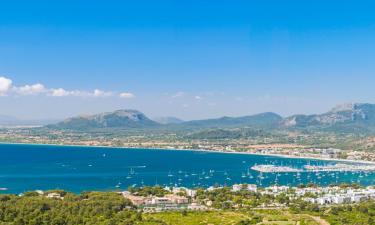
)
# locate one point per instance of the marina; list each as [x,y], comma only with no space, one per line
[275,169]
[341,167]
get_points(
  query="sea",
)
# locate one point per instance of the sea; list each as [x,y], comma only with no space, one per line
[45,167]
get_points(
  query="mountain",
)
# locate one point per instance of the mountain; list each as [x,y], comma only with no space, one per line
[117,119]
[136,119]
[9,121]
[262,120]
[168,120]
[349,118]
[355,117]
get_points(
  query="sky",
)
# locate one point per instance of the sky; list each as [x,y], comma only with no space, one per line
[188,59]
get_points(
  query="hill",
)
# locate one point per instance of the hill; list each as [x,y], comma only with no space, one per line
[168,120]
[262,120]
[117,119]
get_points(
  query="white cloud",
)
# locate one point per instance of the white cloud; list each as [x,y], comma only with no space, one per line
[59,92]
[5,85]
[197,97]
[100,93]
[7,88]
[30,89]
[126,95]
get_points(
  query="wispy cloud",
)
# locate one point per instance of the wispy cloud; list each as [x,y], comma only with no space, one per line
[7,88]
[126,95]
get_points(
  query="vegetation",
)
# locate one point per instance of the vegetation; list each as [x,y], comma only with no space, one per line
[361,214]
[87,208]
[224,198]
[148,190]
[111,209]
[357,214]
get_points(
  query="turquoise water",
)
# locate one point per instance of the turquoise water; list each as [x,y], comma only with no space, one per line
[76,169]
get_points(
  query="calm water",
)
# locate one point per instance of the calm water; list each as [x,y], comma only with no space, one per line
[32,167]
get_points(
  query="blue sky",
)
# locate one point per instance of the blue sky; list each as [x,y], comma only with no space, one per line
[190,59]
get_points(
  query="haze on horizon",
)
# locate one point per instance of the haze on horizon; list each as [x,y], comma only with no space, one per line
[192,60]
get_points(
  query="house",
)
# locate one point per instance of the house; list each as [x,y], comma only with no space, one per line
[54,195]
[160,200]
[237,187]
[177,199]
[248,187]
[197,207]
[136,200]
[252,187]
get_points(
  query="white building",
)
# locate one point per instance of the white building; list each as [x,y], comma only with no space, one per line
[248,187]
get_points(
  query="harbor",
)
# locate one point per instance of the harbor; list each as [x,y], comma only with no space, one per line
[339,167]
[274,169]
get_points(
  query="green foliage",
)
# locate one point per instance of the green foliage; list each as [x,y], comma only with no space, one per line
[110,208]
[148,190]
[360,214]
[90,208]
[225,198]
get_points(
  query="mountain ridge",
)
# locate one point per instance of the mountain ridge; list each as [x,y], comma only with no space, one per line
[120,118]
[345,118]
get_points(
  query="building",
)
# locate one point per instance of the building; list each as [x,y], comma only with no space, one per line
[247,187]
[54,195]
[136,200]
[177,199]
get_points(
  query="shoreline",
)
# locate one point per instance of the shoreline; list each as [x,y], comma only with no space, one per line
[195,150]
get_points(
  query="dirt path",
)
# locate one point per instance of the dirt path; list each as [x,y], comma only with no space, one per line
[319,220]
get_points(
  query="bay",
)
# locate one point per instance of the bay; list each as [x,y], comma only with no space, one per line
[44,167]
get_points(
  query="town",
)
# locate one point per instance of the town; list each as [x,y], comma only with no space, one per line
[174,141]
[180,198]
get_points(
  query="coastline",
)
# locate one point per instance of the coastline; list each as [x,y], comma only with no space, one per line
[195,150]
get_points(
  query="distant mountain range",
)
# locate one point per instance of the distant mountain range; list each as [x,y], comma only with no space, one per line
[262,120]
[9,121]
[168,120]
[343,118]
